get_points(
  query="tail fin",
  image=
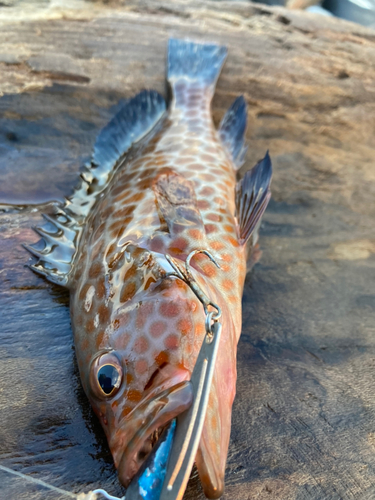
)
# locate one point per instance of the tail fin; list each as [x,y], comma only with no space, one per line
[194,62]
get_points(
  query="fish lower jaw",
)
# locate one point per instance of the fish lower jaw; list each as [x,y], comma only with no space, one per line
[135,462]
[149,443]
[134,442]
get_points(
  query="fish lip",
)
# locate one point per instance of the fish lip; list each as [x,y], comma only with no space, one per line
[153,412]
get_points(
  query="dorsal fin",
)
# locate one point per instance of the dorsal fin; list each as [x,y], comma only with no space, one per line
[177,203]
[252,197]
[57,248]
[232,131]
[137,117]
[134,120]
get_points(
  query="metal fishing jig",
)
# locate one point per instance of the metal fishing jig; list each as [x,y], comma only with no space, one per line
[165,474]
[190,423]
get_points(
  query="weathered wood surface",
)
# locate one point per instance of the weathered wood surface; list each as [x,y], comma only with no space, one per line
[304,416]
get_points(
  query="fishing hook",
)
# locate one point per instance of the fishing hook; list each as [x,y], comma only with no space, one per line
[187,276]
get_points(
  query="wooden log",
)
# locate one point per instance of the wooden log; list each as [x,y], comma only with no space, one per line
[304,415]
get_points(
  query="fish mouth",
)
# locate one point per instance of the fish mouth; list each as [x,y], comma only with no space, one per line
[140,430]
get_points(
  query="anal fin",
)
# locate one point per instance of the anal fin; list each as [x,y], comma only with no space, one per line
[252,197]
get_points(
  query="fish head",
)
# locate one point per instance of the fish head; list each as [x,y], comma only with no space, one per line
[137,362]
[139,378]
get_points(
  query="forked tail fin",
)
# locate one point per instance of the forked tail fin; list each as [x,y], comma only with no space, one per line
[194,65]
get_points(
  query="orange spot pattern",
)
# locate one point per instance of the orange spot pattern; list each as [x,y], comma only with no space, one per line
[141,345]
[134,396]
[172,342]
[162,326]
[185,326]
[170,309]
[158,328]
[141,366]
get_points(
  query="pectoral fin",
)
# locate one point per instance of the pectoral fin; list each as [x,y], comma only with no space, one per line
[252,197]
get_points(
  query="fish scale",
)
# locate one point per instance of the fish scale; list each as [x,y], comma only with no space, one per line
[160,182]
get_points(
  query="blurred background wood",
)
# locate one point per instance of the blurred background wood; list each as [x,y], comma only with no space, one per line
[300,4]
[304,416]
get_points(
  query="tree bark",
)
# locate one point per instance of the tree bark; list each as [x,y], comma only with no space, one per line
[304,416]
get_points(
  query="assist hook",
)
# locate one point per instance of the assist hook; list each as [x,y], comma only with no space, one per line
[187,276]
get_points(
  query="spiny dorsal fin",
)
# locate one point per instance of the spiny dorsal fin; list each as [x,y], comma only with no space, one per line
[232,131]
[177,203]
[137,117]
[134,120]
[252,197]
[60,236]
[54,251]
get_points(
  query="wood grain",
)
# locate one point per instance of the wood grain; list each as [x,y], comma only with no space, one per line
[304,415]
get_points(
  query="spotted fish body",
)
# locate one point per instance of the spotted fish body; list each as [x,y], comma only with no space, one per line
[160,182]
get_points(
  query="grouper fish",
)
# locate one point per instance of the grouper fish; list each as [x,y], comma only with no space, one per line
[161,182]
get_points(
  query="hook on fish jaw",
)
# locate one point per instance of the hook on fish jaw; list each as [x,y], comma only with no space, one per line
[148,482]
[187,276]
[190,423]
[165,473]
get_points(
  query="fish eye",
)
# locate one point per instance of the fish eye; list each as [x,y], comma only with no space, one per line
[109,379]
[106,375]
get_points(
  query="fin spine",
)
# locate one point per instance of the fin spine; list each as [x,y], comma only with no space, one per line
[136,118]
[37,253]
[69,233]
